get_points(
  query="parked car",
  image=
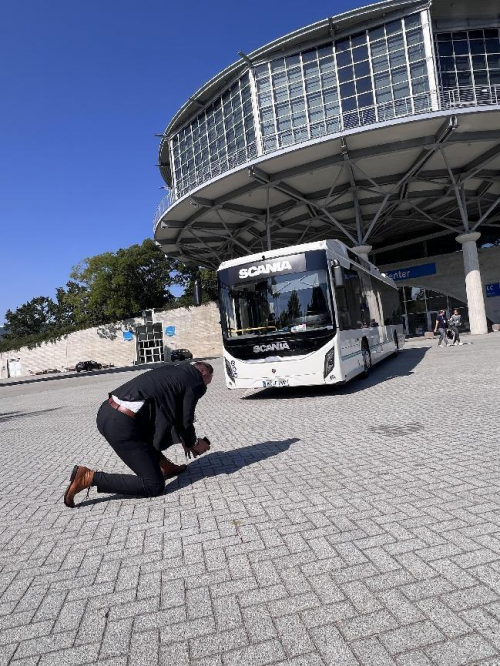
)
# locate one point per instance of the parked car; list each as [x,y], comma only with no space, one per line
[181,355]
[87,365]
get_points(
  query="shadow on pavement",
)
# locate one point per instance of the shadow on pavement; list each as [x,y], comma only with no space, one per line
[213,464]
[10,416]
[400,366]
[91,373]
[71,375]
[228,462]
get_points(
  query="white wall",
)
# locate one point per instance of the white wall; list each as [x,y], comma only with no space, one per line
[196,328]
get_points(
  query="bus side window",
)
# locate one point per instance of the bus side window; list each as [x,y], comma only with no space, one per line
[353,311]
[390,304]
[342,308]
[370,296]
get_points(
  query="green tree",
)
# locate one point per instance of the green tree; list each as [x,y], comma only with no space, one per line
[71,306]
[105,288]
[35,317]
[118,285]
[186,275]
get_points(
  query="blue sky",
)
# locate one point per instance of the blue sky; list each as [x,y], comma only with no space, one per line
[85,86]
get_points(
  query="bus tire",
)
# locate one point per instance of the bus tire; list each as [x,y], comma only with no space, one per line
[367,359]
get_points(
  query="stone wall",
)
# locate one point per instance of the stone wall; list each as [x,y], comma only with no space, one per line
[450,277]
[196,329]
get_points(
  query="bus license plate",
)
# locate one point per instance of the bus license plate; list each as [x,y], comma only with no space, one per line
[267,383]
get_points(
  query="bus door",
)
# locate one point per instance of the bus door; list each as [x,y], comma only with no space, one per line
[373,316]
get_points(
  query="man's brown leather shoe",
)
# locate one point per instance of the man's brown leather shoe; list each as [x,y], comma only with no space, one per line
[81,478]
[171,469]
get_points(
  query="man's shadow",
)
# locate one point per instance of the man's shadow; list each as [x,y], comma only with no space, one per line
[229,462]
[214,464]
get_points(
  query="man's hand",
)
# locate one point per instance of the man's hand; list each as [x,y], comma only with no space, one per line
[201,447]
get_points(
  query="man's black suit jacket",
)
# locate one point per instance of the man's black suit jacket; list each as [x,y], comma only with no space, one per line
[170,393]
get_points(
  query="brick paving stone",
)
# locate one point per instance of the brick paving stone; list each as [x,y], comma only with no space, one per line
[174,654]
[447,621]
[412,636]
[325,527]
[332,647]
[116,638]
[217,643]
[371,652]
[258,623]
[461,651]
[258,655]
[312,659]
[362,626]
[144,648]
[293,635]
[414,658]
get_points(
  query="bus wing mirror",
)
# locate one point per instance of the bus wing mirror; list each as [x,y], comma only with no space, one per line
[197,292]
[338,276]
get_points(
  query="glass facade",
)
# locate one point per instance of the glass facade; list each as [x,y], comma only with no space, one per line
[469,64]
[221,137]
[371,76]
[420,307]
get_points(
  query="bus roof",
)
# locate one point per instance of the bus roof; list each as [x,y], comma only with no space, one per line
[340,249]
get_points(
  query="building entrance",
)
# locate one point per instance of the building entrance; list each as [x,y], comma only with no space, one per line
[420,307]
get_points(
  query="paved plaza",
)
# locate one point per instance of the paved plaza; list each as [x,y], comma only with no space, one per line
[359,525]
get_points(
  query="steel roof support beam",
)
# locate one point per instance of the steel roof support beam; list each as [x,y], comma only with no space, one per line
[432,219]
[210,249]
[442,135]
[265,179]
[459,191]
[354,190]
[329,199]
[473,168]
[411,241]
[232,236]
[485,215]
[292,192]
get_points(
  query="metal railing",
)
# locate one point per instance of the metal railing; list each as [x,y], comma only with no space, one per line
[442,100]
[164,204]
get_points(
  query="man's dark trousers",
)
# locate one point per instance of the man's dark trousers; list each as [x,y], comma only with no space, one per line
[131,442]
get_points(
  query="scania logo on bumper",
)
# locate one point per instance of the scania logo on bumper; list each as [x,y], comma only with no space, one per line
[275,346]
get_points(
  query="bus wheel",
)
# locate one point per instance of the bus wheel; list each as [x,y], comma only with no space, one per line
[396,345]
[367,359]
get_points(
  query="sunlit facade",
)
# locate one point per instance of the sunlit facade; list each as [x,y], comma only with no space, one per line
[378,127]
[397,68]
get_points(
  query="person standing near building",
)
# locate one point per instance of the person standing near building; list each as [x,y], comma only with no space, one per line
[140,419]
[441,328]
[454,322]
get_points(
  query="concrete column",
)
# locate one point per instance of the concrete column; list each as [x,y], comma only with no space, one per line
[473,284]
[362,251]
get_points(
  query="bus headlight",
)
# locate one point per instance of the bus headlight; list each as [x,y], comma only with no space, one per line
[229,370]
[329,361]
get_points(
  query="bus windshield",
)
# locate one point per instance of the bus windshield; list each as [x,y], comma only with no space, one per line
[292,303]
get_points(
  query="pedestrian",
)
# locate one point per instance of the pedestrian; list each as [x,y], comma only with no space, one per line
[139,420]
[454,322]
[441,327]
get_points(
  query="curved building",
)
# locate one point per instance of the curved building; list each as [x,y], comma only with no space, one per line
[379,127]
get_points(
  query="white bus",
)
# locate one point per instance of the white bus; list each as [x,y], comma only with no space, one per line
[305,315]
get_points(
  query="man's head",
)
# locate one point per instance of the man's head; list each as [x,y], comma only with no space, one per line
[441,312]
[455,311]
[205,370]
